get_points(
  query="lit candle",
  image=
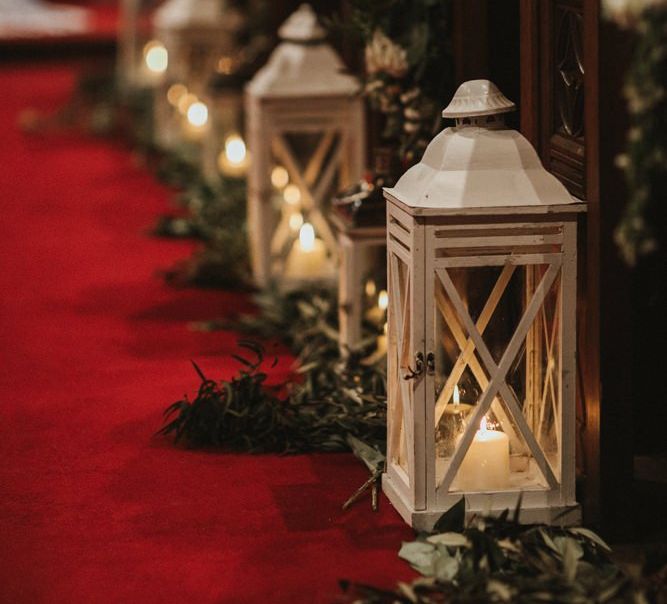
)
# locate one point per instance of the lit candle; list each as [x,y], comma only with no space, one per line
[233,159]
[377,313]
[486,465]
[308,257]
[382,341]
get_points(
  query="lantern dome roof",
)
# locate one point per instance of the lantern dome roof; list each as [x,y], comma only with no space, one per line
[185,14]
[303,64]
[477,97]
[302,26]
[479,166]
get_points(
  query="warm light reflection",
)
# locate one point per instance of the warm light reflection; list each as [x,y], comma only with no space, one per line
[295,221]
[175,93]
[156,57]
[383,300]
[197,114]
[307,237]
[279,177]
[235,149]
[292,195]
[370,288]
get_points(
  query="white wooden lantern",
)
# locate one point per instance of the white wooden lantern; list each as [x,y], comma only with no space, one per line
[481,250]
[306,139]
[195,35]
[141,60]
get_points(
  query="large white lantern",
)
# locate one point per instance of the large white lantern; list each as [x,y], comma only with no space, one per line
[192,37]
[305,131]
[481,250]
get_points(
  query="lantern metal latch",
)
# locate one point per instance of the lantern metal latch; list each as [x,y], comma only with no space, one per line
[419,367]
[430,363]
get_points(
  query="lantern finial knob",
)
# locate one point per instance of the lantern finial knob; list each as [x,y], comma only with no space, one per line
[302,26]
[477,98]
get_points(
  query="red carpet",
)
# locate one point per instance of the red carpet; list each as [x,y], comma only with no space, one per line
[93,508]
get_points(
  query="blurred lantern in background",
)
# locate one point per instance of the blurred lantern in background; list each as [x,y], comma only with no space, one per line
[305,129]
[141,60]
[481,244]
[225,150]
[191,37]
[359,216]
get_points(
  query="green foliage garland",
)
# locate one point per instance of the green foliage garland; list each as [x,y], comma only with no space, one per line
[499,560]
[331,399]
[645,162]
[408,67]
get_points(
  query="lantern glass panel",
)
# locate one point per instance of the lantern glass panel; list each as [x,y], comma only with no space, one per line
[509,365]
[306,174]
[399,363]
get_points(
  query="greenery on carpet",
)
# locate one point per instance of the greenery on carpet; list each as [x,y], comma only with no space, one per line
[497,559]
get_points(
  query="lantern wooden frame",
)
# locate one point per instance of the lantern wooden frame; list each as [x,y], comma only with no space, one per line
[354,245]
[454,214]
[300,91]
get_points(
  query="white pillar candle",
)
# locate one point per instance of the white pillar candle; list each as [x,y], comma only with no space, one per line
[486,465]
[308,257]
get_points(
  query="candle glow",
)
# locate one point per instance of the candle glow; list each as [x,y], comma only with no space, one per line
[292,195]
[197,114]
[156,57]
[235,149]
[295,221]
[279,177]
[383,300]
[371,288]
[175,93]
[307,237]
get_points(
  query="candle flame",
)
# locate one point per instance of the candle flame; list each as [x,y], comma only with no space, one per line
[307,237]
[156,57]
[482,425]
[456,398]
[235,149]
[383,300]
[197,114]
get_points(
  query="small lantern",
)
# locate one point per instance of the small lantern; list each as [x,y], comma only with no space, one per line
[359,216]
[193,35]
[481,251]
[306,137]
[141,61]
[224,150]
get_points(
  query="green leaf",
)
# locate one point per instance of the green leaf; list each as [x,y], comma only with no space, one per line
[453,520]
[420,555]
[445,568]
[591,536]
[449,539]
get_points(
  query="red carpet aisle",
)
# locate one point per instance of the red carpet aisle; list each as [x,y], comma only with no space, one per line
[94,346]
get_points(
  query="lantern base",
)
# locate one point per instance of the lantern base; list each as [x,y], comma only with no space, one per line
[482,504]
